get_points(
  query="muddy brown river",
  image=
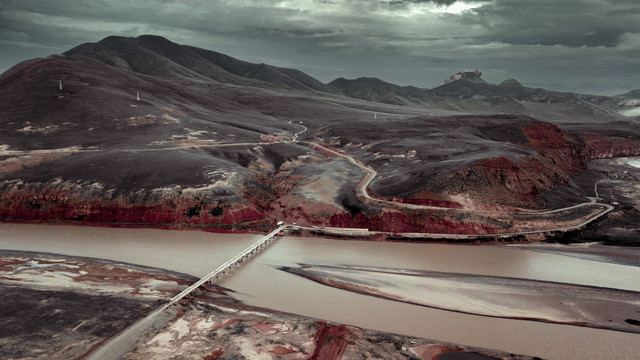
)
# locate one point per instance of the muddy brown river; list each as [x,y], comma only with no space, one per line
[260,281]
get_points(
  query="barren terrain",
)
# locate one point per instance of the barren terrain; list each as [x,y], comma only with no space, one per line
[78,146]
[64,307]
[142,132]
[56,306]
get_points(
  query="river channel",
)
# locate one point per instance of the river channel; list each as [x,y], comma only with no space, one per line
[261,281]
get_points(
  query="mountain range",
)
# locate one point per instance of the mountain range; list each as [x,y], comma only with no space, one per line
[157,56]
[143,131]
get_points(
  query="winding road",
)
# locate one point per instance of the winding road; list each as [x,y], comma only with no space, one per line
[362,187]
[371,174]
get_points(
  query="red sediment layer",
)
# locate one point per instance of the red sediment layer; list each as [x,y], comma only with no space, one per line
[499,182]
[215,355]
[496,182]
[520,182]
[64,205]
[558,147]
[266,327]
[573,153]
[505,182]
[407,222]
[331,342]
[600,147]
[280,350]
[390,220]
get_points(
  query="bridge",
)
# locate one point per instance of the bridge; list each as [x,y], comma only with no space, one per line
[115,347]
[229,264]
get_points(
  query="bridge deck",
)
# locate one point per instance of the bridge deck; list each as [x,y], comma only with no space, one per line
[228,264]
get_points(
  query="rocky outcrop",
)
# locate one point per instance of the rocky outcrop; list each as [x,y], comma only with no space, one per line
[557,147]
[395,221]
[473,76]
[601,147]
[520,181]
[504,184]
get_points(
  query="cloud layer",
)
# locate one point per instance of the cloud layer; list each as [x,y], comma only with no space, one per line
[577,45]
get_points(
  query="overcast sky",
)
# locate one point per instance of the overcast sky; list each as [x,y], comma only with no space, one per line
[590,46]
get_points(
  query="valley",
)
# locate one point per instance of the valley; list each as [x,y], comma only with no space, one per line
[430,221]
[235,159]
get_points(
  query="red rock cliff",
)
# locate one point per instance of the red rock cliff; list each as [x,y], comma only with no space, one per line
[519,182]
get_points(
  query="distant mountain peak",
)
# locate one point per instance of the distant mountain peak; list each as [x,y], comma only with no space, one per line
[510,82]
[374,89]
[473,76]
[157,56]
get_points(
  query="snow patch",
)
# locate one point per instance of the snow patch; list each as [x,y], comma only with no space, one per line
[633,162]
[631,112]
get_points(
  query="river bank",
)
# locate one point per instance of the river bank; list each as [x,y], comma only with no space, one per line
[260,284]
[210,331]
[57,306]
[613,182]
[65,307]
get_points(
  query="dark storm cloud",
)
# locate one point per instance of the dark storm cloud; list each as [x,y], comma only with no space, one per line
[550,22]
[417,42]
[436,2]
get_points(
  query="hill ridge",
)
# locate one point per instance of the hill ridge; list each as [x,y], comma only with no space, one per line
[157,56]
